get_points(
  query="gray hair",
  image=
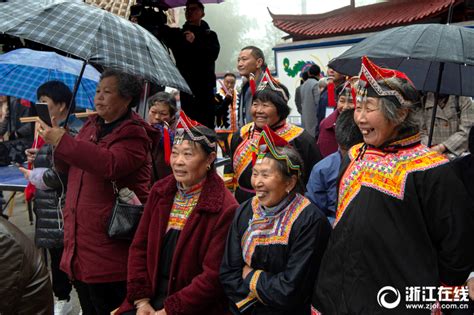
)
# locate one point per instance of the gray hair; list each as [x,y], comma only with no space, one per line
[166,98]
[128,85]
[392,109]
[296,159]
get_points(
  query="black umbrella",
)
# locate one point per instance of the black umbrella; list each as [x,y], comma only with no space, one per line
[436,57]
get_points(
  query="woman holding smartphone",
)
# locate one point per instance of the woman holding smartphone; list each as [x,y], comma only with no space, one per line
[50,190]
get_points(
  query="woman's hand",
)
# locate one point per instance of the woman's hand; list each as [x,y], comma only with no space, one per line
[247,269]
[145,309]
[440,148]
[25,172]
[51,135]
[161,312]
[31,154]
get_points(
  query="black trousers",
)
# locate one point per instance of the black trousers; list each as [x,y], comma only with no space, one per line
[100,298]
[61,284]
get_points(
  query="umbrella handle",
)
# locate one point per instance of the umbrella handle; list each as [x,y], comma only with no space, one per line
[74,92]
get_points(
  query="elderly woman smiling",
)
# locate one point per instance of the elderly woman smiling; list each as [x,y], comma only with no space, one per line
[175,256]
[113,146]
[269,108]
[277,238]
[403,217]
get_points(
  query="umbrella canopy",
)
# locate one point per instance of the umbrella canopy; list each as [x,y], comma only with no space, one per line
[94,35]
[22,71]
[418,50]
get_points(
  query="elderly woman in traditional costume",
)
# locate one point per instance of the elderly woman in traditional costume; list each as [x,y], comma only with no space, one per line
[269,108]
[277,238]
[403,218]
[175,256]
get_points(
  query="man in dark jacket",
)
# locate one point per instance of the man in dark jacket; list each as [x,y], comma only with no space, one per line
[195,48]
[25,286]
[250,61]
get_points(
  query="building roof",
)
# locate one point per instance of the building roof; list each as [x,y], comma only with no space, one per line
[352,20]
[119,7]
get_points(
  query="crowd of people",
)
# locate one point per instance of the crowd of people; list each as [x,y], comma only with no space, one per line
[311,219]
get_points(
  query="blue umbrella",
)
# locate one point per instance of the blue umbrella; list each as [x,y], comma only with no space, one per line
[22,71]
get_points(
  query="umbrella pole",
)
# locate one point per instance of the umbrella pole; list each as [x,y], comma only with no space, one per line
[435,106]
[146,90]
[74,92]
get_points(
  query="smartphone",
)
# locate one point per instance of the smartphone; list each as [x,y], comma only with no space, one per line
[43,113]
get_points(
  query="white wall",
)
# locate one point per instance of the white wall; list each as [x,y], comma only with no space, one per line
[290,75]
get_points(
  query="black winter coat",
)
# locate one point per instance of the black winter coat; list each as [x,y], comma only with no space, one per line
[48,204]
[25,286]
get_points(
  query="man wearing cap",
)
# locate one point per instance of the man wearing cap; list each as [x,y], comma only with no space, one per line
[195,48]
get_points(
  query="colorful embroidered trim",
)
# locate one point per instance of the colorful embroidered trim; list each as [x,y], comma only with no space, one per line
[246,301]
[243,154]
[272,230]
[382,171]
[253,283]
[267,144]
[183,205]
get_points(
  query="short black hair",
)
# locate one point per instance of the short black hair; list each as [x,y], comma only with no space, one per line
[276,98]
[256,52]
[229,74]
[197,2]
[347,132]
[166,98]
[314,70]
[57,91]
[304,75]
[129,85]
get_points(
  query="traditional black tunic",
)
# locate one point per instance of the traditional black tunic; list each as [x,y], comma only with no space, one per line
[284,248]
[403,220]
[243,143]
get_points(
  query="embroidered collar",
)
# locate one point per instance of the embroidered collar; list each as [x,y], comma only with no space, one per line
[393,146]
[272,211]
[190,191]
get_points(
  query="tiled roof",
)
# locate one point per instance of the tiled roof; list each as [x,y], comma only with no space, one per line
[351,20]
[119,7]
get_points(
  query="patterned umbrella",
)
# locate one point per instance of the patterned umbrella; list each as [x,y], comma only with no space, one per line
[22,71]
[93,35]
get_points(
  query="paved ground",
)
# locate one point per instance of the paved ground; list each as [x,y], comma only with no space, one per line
[20,219]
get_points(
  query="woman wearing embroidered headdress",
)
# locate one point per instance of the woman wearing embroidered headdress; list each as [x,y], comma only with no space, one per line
[277,238]
[174,259]
[403,218]
[269,107]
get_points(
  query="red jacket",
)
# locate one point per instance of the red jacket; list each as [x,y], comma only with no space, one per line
[123,155]
[327,134]
[194,286]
